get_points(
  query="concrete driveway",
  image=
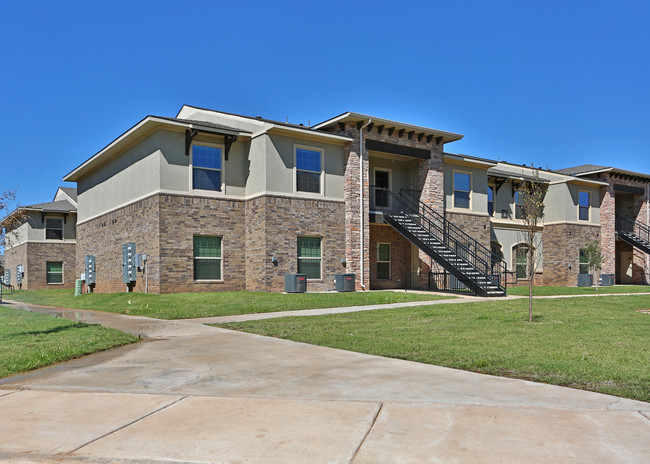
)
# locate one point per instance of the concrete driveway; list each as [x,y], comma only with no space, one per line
[192,393]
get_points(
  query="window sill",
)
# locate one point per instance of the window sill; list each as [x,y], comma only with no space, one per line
[55,283]
[208,281]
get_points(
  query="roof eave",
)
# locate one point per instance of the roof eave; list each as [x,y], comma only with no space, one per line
[308,133]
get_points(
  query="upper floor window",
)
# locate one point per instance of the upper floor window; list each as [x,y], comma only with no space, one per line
[53,229]
[490,195]
[520,211]
[206,167]
[583,205]
[462,188]
[308,170]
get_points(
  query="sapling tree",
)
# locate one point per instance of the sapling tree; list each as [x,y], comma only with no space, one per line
[531,194]
[594,255]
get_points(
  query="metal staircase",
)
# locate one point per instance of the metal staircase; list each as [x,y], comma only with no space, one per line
[633,232]
[471,263]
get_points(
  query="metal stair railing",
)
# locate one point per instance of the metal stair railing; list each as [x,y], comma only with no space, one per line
[631,226]
[465,247]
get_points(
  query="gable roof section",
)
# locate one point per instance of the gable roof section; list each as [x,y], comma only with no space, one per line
[583,169]
[61,206]
[70,191]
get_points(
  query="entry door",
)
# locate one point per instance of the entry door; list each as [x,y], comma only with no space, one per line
[626,267]
[382,181]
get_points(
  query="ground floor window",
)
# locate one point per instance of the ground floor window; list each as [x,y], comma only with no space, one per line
[207,258]
[54,272]
[383,261]
[521,261]
[584,262]
[309,257]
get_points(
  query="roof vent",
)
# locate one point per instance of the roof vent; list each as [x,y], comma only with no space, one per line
[258,117]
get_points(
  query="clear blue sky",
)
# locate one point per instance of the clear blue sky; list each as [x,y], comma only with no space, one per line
[553,83]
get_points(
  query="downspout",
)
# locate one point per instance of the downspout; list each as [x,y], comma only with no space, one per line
[361,212]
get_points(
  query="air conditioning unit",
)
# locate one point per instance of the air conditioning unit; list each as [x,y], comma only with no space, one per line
[344,282]
[295,283]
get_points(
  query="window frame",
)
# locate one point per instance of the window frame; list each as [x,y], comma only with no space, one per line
[320,258]
[48,273]
[454,190]
[519,206]
[390,185]
[208,258]
[389,262]
[588,205]
[582,253]
[321,173]
[222,170]
[491,187]
[62,229]
[515,248]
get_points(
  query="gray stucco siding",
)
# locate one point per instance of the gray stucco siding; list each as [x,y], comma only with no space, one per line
[478,194]
[508,238]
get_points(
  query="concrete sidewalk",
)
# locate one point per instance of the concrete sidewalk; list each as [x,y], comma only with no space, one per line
[192,393]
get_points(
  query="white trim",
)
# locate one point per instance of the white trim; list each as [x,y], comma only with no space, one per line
[390,183]
[453,189]
[321,194]
[298,258]
[227,197]
[577,223]
[580,181]
[467,212]
[465,161]
[211,193]
[588,206]
[58,242]
[513,257]
[62,272]
[307,133]
[201,281]
[390,260]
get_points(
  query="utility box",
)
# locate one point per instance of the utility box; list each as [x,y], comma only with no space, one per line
[585,280]
[19,274]
[344,282]
[295,283]
[7,277]
[607,280]
[89,270]
[129,269]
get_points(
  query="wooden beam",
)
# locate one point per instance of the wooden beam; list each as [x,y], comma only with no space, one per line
[380,129]
[429,138]
[359,125]
[411,134]
[397,149]
[420,135]
[439,140]
[189,135]
[370,126]
[341,126]
[391,130]
[401,132]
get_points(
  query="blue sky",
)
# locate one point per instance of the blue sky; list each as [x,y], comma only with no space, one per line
[552,83]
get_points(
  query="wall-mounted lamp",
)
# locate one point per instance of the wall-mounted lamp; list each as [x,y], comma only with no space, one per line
[569,265]
[343,263]
[274,260]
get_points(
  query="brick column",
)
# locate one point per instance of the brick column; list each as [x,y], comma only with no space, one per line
[608,227]
[431,180]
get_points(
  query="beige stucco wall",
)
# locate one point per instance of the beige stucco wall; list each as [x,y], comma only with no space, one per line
[478,195]
[508,238]
[561,203]
[403,172]
[33,229]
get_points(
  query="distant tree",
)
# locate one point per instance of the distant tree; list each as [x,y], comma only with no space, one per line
[531,212]
[9,220]
[594,254]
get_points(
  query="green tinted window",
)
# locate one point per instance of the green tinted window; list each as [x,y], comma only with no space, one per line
[54,271]
[309,257]
[383,261]
[207,258]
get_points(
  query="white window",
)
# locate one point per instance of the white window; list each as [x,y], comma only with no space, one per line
[521,261]
[583,267]
[490,195]
[309,169]
[53,229]
[208,263]
[54,272]
[207,167]
[309,257]
[383,261]
[520,210]
[462,189]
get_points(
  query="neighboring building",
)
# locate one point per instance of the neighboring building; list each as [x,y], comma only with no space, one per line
[219,201]
[44,243]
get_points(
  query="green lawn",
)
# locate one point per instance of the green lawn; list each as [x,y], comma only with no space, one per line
[32,340]
[598,344]
[203,304]
[552,291]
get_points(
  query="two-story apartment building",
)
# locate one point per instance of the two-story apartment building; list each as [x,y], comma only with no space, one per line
[43,247]
[219,201]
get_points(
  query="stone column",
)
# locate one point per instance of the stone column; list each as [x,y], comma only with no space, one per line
[608,226]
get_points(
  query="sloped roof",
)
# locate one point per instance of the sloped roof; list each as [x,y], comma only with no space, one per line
[70,191]
[61,206]
[499,173]
[582,169]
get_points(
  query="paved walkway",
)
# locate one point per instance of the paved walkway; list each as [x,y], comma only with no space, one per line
[192,393]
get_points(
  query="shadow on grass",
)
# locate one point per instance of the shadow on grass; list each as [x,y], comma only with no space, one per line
[53,329]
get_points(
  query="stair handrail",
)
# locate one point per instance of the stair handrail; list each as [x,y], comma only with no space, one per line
[495,261]
[628,224]
[446,233]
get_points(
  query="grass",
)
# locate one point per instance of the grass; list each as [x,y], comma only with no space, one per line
[206,304]
[597,344]
[554,291]
[32,340]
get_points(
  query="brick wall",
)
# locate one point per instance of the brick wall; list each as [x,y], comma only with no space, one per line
[34,256]
[477,227]
[562,243]
[400,256]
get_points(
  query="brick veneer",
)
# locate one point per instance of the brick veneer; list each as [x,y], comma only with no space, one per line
[163,227]
[430,179]
[400,259]
[477,227]
[561,246]
[34,256]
